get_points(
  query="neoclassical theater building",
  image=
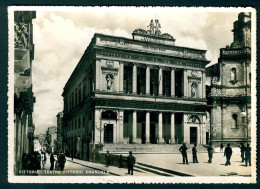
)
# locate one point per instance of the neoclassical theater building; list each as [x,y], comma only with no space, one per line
[139,90]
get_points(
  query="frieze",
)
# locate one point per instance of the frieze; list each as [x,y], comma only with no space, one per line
[150,59]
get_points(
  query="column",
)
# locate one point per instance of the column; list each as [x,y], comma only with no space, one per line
[185,84]
[121,77]
[147,127]
[97,127]
[121,126]
[173,82]
[134,79]
[160,122]
[160,81]
[134,127]
[172,128]
[203,85]
[147,91]
[98,75]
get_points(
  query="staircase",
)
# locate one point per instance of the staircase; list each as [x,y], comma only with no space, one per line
[148,148]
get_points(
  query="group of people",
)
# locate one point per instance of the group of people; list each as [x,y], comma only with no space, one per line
[33,161]
[130,161]
[245,153]
[60,162]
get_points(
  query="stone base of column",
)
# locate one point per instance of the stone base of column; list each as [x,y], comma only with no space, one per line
[172,95]
[138,141]
[134,93]
[121,91]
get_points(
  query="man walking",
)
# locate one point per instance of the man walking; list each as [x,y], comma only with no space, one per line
[194,154]
[228,154]
[130,163]
[242,150]
[248,155]
[62,161]
[183,149]
[52,160]
[221,147]
[210,152]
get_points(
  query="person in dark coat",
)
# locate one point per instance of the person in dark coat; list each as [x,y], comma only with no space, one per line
[52,160]
[242,150]
[107,157]
[183,149]
[62,161]
[194,154]
[248,155]
[210,152]
[130,163]
[221,147]
[120,161]
[228,154]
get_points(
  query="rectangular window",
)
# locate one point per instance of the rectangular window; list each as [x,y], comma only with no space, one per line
[128,79]
[141,74]
[166,83]
[154,82]
[79,87]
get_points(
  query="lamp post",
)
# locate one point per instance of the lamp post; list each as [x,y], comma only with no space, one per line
[245,124]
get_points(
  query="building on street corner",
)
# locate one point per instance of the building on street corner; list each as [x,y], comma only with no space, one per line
[24,98]
[139,90]
[230,89]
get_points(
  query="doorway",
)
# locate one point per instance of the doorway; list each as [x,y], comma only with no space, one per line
[143,133]
[108,133]
[207,137]
[152,133]
[193,135]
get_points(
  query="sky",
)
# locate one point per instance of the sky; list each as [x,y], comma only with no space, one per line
[61,37]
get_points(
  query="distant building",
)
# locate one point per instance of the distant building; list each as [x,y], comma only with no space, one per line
[144,90]
[60,132]
[23,96]
[37,144]
[51,136]
[230,89]
[43,142]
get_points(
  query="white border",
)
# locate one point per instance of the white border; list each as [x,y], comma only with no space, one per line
[125,179]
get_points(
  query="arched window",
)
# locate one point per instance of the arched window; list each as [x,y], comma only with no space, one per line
[234,116]
[233,74]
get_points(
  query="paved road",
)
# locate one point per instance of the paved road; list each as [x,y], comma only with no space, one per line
[71,169]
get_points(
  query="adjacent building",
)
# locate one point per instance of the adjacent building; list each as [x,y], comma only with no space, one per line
[23,94]
[230,89]
[139,90]
[60,132]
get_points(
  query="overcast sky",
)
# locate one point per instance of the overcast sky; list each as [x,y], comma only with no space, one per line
[61,38]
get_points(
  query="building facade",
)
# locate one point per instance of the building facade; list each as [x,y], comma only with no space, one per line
[23,96]
[230,90]
[144,90]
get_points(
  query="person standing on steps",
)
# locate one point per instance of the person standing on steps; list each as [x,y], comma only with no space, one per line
[221,147]
[183,149]
[130,163]
[120,161]
[242,150]
[228,154]
[210,152]
[107,157]
[194,154]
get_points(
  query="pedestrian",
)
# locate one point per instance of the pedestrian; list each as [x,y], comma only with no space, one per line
[248,155]
[130,163]
[120,161]
[62,161]
[52,160]
[242,150]
[183,149]
[210,152]
[194,154]
[44,158]
[39,161]
[221,147]
[107,157]
[228,154]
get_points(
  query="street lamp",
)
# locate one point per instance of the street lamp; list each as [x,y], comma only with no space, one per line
[243,116]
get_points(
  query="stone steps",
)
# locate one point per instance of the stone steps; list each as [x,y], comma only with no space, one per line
[166,148]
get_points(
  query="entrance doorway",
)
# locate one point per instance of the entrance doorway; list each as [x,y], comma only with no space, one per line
[108,133]
[193,135]
[143,133]
[207,137]
[152,133]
